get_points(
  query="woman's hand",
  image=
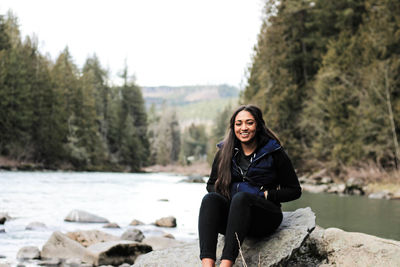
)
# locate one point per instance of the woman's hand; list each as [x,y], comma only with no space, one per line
[266,194]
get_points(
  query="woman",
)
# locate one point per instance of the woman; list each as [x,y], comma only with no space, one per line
[251,175]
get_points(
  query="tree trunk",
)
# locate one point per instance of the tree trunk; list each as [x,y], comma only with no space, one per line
[392,123]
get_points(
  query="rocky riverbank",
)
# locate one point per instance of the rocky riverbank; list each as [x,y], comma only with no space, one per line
[322,182]
[297,242]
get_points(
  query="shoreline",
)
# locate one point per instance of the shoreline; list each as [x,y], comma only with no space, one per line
[317,182]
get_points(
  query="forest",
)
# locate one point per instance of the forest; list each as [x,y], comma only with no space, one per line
[327,76]
[325,73]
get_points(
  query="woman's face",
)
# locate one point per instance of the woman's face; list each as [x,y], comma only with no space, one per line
[245,127]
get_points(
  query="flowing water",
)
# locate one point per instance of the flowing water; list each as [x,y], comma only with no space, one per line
[48,197]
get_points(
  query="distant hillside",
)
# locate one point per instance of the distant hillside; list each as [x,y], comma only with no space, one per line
[194,104]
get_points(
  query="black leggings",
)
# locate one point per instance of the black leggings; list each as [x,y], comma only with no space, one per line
[246,214]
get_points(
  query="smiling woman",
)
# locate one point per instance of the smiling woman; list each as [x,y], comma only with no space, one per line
[251,175]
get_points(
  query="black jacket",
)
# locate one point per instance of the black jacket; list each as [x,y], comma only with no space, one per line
[270,168]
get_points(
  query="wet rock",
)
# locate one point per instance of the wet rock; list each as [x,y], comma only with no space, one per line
[354,186]
[274,250]
[118,252]
[166,222]
[159,242]
[380,195]
[336,189]
[111,225]
[85,217]
[314,188]
[35,226]
[395,195]
[4,217]
[50,263]
[133,235]
[28,253]
[136,222]
[60,246]
[90,237]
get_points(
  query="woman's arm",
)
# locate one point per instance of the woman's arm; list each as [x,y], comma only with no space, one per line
[289,183]
[213,175]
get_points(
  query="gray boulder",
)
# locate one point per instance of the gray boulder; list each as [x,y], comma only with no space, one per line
[60,246]
[274,250]
[35,226]
[160,242]
[28,253]
[133,235]
[85,217]
[90,237]
[166,222]
[357,249]
[117,252]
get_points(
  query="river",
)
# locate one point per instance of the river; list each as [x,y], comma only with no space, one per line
[48,197]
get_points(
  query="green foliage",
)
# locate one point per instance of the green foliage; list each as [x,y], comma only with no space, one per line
[326,76]
[56,114]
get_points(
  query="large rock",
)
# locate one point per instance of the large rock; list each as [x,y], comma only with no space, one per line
[274,250]
[85,217]
[161,242]
[118,252]
[358,249]
[28,253]
[90,237]
[133,235]
[166,222]
[60,246]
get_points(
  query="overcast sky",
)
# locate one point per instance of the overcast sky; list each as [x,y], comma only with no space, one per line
[165,42]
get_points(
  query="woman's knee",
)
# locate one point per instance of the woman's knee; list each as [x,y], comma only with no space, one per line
[242,198]
[213,197]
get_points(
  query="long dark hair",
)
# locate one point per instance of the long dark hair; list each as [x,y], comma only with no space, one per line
[263,134]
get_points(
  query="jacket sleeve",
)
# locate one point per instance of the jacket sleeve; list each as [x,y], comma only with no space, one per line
[289,186]
[214,174]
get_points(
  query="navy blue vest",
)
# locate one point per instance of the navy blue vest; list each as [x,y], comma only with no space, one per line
[261,171]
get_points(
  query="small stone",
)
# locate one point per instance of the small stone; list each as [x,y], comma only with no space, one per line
[50,262]
[4,217]
[28,253]
[35,226]
[168,235]
[133,235]
[136,222]
[111,225]
[166,222]
[84,216]
[2,231]
[163,200]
